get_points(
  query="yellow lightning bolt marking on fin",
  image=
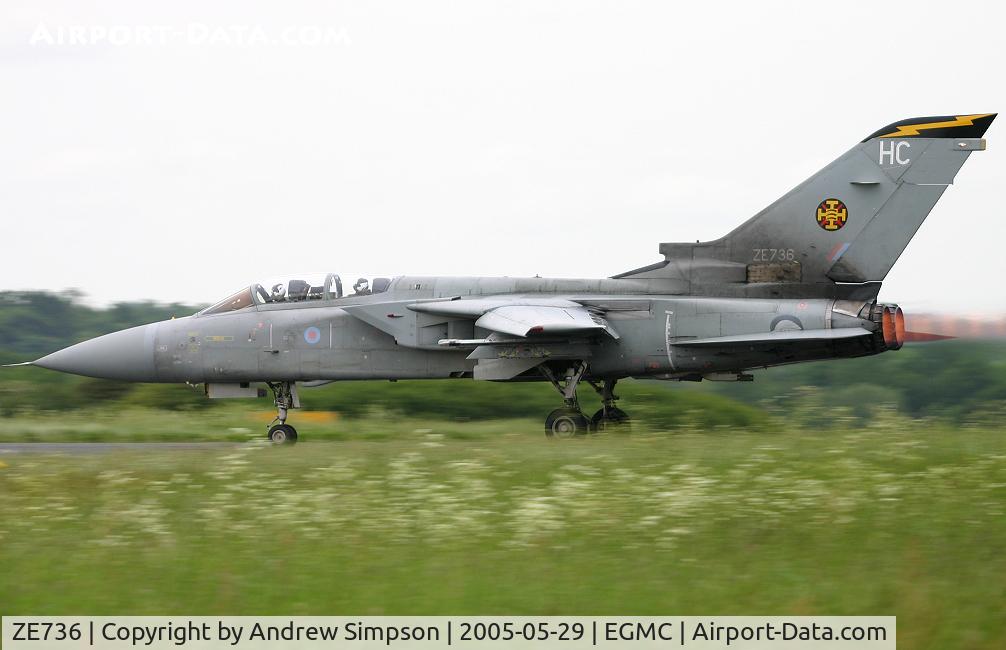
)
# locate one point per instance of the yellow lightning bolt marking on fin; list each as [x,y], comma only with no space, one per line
[913,129]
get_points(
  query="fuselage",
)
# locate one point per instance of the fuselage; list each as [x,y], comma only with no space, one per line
[378,336]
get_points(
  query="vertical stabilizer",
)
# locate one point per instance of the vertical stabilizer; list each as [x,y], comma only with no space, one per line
[850,221]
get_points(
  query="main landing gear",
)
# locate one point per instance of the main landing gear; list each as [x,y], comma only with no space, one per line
[569,421]
[609,416]
[285,394]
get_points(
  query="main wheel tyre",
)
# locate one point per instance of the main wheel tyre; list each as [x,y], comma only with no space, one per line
[283,434]
[566,423]
[616,420]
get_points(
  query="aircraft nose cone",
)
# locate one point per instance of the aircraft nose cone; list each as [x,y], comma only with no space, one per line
[126,355]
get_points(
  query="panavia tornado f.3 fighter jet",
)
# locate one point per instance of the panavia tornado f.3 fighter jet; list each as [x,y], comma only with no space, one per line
[796,282]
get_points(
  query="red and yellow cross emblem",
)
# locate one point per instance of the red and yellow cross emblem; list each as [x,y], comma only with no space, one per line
[832,214]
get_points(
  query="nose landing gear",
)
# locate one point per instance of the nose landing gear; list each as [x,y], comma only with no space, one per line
[282,434]
[285,397]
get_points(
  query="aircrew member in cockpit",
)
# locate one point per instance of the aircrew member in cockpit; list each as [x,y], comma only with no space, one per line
[362,287]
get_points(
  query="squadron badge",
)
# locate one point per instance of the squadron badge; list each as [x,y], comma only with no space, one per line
[832,214]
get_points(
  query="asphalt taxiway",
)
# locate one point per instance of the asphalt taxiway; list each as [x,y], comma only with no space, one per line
[78,448]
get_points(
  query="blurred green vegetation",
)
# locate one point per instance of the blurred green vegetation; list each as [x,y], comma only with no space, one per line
[955,381]
[35,323]
[896,517]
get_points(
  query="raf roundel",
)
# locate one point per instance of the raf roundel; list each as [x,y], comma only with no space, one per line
[312,335]
[832,214]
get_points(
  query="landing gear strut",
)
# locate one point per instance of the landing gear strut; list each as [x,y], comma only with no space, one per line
[569,421]
[285,397]
[609,416]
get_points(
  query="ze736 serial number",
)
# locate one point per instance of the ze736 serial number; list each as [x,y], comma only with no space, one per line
[47,632]
[773,254]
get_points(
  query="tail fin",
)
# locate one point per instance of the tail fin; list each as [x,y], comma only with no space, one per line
[850,221]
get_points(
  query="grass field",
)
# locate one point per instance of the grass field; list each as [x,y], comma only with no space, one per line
[897,518]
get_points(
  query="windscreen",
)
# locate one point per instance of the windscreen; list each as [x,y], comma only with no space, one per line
[239,300]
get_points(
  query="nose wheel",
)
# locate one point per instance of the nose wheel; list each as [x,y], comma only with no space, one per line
[282,434]
[285,397]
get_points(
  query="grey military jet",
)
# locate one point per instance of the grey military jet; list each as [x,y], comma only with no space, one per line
[798,281]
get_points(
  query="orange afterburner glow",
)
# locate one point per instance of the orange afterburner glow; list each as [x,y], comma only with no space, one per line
[894,327]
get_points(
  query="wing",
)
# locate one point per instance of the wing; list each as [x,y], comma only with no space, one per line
[524,317]
[530,320]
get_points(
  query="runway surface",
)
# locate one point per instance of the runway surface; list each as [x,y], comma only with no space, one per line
[76,448]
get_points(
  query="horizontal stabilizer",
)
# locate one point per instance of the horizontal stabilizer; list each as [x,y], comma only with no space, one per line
[788,336]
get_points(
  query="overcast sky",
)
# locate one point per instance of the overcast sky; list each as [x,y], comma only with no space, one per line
[216,144]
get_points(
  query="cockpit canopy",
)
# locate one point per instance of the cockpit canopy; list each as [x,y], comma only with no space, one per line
[305,287]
